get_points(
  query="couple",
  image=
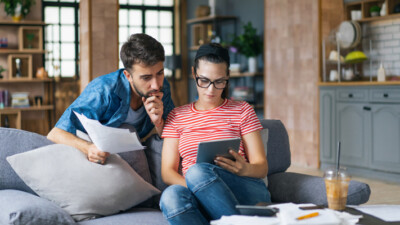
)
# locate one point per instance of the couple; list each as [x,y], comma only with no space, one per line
[139,95]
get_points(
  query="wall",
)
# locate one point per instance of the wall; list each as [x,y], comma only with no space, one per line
[384,37]
[292,73]
[249,10]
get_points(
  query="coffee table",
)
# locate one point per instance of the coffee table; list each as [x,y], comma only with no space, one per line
[368,219]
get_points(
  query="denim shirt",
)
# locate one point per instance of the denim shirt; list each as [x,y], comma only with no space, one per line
[107,99]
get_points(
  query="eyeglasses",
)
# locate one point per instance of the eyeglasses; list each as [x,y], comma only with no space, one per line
[205,83]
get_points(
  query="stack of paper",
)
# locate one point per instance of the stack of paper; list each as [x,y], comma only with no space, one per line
[288,212]
[110,139]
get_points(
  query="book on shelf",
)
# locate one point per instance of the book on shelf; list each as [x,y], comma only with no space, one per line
[4,99]
[20,99]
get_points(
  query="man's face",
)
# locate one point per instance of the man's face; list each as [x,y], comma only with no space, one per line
[145,80]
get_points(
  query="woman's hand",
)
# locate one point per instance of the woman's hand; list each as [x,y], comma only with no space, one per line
[239,167]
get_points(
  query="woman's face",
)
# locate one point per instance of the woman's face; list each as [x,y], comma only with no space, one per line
[210,72]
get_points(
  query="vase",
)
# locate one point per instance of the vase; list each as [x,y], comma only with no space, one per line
[252,61]
[212,3]
[17,13]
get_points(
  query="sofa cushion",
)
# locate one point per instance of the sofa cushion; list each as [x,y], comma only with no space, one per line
[153,153]
[301,188]
[13,141]
[134,216]
[22,208]
[84,189]
[278,154]
[136,159]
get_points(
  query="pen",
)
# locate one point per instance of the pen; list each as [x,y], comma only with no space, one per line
[314,214]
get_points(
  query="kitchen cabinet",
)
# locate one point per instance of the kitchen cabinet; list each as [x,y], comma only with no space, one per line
[366,120]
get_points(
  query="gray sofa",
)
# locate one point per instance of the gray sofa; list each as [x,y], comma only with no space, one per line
[20,205]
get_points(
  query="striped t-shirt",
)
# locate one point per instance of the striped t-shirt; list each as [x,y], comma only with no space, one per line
[230,120]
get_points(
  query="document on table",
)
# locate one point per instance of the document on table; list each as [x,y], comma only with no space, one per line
[388,213]
[110,139]
[288,212]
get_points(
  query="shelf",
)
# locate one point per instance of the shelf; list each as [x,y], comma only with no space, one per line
[210,19]
[365,5]
[31,108]
[23,22]
[33,80]
[358,83]
[245,74]
[370,19]
[14,51]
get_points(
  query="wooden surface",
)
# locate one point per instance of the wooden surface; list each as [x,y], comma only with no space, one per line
[292,71]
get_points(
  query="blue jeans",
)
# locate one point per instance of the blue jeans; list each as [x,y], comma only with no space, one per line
[212,192]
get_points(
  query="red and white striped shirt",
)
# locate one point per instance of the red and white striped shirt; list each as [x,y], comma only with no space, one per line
[230,120]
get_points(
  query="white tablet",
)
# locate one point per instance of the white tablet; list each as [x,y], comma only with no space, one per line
[208,150]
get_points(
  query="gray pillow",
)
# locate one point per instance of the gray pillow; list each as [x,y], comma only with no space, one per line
[84,189]
[21,208]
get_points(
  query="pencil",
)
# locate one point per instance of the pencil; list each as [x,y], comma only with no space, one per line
[314,214]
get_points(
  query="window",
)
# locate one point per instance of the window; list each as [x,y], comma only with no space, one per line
[153,17]
[61,37]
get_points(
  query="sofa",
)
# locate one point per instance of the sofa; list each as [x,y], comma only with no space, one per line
[19,204]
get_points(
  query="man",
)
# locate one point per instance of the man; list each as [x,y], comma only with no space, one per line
[138,95]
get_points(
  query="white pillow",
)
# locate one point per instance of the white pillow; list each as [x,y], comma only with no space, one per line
[84,189]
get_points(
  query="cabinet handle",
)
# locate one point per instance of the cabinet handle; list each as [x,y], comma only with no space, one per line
[385,95]
[367,108]
[350,95]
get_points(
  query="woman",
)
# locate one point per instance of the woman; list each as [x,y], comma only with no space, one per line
[204,191]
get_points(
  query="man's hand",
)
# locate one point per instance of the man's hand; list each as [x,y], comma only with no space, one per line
[155,108]
[238,167]
[96,155]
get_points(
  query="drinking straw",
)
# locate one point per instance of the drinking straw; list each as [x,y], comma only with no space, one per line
[338,159]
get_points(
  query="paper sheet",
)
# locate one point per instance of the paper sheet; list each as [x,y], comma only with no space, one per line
[388,213]
[110,139]
[246,220]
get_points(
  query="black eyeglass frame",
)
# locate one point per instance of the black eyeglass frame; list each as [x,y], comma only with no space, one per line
[211,82]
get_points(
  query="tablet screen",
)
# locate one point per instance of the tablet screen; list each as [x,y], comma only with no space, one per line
[208,150]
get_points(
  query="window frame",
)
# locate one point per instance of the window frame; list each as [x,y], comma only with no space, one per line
[60,4]
[143,8]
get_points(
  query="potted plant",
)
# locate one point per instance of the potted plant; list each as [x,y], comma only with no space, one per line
[374,10]
[249,44]
[18,9]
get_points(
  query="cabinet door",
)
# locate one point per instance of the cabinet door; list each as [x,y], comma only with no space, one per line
[327,125]
[385,154]
[352,132]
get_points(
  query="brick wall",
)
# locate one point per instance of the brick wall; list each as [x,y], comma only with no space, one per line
[384,38]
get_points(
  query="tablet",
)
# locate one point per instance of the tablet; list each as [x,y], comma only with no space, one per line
[208,150]
[255,210]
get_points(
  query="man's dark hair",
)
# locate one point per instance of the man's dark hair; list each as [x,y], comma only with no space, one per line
[214,53]
[141,48]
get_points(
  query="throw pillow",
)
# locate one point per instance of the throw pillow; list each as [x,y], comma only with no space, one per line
[84,189]
[22,208]
[264,137]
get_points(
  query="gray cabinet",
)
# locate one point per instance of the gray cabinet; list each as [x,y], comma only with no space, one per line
[385,141]
[352,133]
[366,120]
[327,127]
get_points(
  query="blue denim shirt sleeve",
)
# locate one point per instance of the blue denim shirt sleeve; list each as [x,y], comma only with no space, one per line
[91,103]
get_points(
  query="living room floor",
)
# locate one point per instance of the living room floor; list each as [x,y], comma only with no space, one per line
[382,192]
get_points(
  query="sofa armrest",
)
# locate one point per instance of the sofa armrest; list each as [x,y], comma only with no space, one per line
[18,207]
[301,188]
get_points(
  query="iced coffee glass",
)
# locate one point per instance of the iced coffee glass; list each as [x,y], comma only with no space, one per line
[337,185]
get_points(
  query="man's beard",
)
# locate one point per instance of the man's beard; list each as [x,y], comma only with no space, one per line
[146,95]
